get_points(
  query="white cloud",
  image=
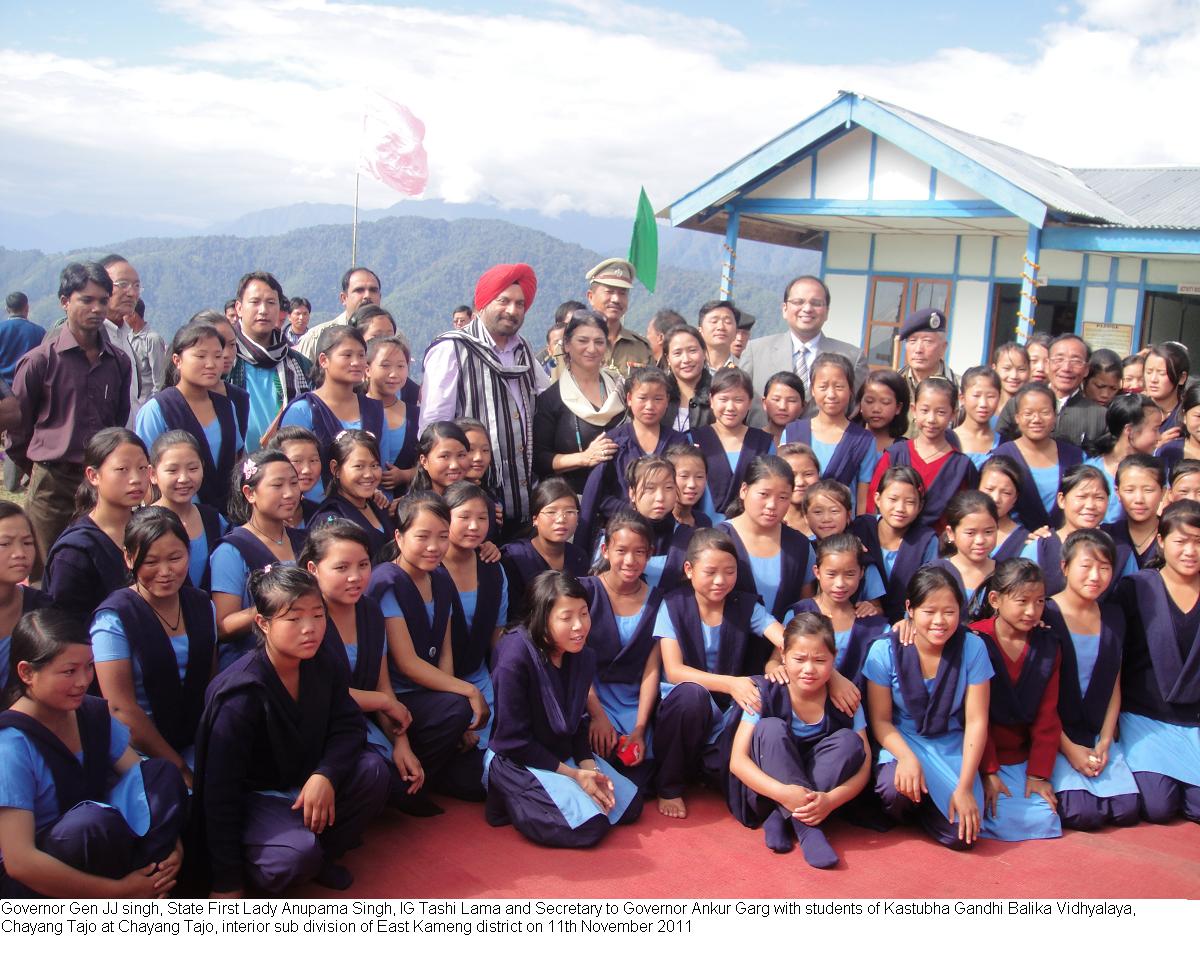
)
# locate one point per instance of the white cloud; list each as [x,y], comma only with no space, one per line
[573,109]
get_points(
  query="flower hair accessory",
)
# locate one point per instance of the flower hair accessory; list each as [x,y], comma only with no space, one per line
[341,434]
[249,468]
[268,568]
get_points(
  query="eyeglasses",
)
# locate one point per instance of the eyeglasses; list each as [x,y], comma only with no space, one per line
[1036,414]
[128,285]
[816,304]
[559,514]
[1068,360]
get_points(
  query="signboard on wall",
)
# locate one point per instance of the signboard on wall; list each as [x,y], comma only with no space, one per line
[1188,289]
[1106,335]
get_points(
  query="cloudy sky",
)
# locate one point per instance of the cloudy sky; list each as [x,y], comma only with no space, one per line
[198,110]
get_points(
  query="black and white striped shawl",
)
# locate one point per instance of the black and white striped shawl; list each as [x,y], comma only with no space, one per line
[484,393]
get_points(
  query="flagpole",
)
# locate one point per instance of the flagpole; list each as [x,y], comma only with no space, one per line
[354,231]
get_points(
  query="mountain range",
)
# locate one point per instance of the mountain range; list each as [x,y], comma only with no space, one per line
[428,263]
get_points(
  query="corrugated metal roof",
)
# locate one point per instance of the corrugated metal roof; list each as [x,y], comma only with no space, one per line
[1166,197]
[1058,187]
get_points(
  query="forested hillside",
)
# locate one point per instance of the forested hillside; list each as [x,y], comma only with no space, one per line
[427,267]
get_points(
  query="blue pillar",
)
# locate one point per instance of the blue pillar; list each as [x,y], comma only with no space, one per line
[1029,278]
[729,264]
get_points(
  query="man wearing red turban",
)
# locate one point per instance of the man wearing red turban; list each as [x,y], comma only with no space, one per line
[488,371]
[496,280]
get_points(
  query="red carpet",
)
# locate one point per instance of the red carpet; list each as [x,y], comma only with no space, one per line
[709,855]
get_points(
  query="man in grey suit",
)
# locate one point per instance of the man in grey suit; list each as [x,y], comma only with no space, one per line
[805,309]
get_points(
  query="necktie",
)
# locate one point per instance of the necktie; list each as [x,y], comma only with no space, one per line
[802,367]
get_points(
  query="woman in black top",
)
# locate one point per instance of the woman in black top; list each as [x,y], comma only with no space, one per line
[572,416]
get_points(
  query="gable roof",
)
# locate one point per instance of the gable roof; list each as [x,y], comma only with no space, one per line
[1035,189]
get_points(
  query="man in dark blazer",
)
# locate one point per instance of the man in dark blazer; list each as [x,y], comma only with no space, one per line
[805,309]
[1080,420]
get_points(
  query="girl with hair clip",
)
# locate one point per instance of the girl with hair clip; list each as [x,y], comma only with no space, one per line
[285,782]
[643,434]
[388,361]
[1165,374]
[355,470]
[623,609]
[1023,724]
[704,631]
[1000,480]
[840,572]
[968,542]
[542,776]
[478,472]
[1160,676]
[335,554]
[1185,482]
[155,643]
[1103,380]
[65,829]
[844,449]
[942,468]
[1083,501]
[1041,459]
[555,513]
[481,605]
[190,403]
[303,449]
[1132,374]
[806,471]
[1187,447]
[1011,365]
[976,434]
[783,402]
[266,495]
[1141,488]
[883,403]
[774,562]
[18,552]
[927,702]
[177,471]
[441,457]
[1132,428]
[691,478]
[417,597]
[86,563]
[729,446]
[896,541]
[798,758]
[827,510]
[1091,778]
[575,416]
[335,403]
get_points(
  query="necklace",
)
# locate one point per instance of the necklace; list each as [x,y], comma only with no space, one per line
[265,537]
[165,622]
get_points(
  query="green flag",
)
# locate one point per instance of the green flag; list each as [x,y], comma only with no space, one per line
[643,247]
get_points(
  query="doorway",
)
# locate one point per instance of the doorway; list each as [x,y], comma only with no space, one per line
[1055,312]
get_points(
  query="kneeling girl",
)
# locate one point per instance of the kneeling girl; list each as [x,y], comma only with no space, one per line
[928,706]
[541,773]
[799,757]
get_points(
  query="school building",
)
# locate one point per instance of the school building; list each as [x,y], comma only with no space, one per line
[908,213]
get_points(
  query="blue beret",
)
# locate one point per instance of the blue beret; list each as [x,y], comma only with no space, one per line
[924,320]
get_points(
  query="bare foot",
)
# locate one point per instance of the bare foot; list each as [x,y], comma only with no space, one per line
[673,808]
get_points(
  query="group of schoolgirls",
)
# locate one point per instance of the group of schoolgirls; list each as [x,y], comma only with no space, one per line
[154,607]
[734,655]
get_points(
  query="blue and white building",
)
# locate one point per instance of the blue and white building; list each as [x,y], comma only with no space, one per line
[907,212]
